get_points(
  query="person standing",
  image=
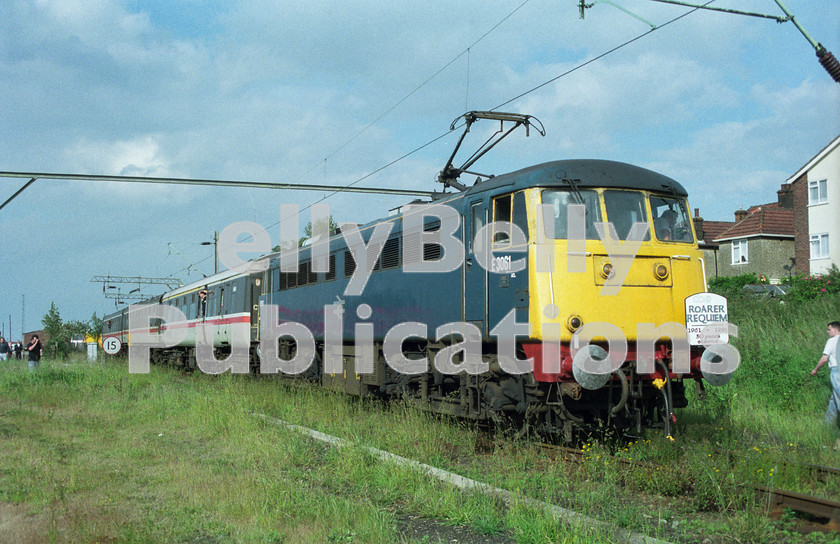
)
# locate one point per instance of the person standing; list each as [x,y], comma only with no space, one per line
[4,349]
[34,349]
[202,303]
[830,356]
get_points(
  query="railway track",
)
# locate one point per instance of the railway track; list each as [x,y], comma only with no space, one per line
[778,499]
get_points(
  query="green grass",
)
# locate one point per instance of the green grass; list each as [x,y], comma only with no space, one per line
[772,396]
[91,453]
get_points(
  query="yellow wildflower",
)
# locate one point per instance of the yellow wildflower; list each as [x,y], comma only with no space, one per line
[659,383]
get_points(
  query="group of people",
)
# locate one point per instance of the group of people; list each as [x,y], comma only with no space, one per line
[15,349]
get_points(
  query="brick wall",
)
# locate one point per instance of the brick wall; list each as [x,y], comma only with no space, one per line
[802,245]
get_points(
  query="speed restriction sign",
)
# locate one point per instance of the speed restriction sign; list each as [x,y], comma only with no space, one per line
[111,345]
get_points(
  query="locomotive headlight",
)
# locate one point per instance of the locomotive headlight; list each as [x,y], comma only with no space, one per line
[574,322]
[660,271]
[607,271]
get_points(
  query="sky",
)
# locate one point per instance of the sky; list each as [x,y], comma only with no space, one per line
[335,93]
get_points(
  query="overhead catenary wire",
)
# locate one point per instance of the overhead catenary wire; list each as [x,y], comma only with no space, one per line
[600,56]
[517,97]
[417,88]
[505,103]
[350,185]
[389,110]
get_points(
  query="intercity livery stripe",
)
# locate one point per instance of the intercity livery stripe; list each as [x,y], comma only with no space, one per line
[243,318]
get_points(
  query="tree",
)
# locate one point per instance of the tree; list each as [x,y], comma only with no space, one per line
[94,329]
[60,333]
[307,231]
[55,330]
[75,329]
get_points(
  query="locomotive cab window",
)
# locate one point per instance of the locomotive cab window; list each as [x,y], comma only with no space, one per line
[624,208]
[501,212]
[671,221]
[509,209]
[560,200]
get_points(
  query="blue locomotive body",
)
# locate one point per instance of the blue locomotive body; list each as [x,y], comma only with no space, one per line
[501,252]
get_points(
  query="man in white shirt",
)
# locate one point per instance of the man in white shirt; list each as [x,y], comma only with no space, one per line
[830,356]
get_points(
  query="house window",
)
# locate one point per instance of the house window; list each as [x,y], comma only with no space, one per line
[818,192]
[819,246]
[739,252]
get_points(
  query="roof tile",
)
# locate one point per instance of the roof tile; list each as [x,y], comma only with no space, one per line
[766,219]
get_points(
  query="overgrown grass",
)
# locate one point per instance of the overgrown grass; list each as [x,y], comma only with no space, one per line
[91,453]
[773,394]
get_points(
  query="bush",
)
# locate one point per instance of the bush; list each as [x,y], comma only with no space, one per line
[813,287]
[732,282]
[731,286]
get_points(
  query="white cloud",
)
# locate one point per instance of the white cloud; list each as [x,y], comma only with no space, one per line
[141,157]
[269,90]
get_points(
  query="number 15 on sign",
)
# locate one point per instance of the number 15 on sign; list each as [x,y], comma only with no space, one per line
[111,345]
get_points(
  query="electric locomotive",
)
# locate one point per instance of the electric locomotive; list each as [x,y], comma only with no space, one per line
[528,279]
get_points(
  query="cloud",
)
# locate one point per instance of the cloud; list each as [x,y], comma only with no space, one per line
[328,92]
[141,157]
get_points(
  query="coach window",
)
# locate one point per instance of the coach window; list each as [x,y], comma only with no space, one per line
[222,301]
[624,208]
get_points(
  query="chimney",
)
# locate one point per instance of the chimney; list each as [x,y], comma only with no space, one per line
[785,196]
[698,224]
[740,215]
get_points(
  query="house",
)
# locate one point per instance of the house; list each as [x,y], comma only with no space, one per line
[816,193]
[761,241]
[707,231]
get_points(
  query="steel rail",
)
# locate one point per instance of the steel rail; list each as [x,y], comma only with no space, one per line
[780,499]
[777,499]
